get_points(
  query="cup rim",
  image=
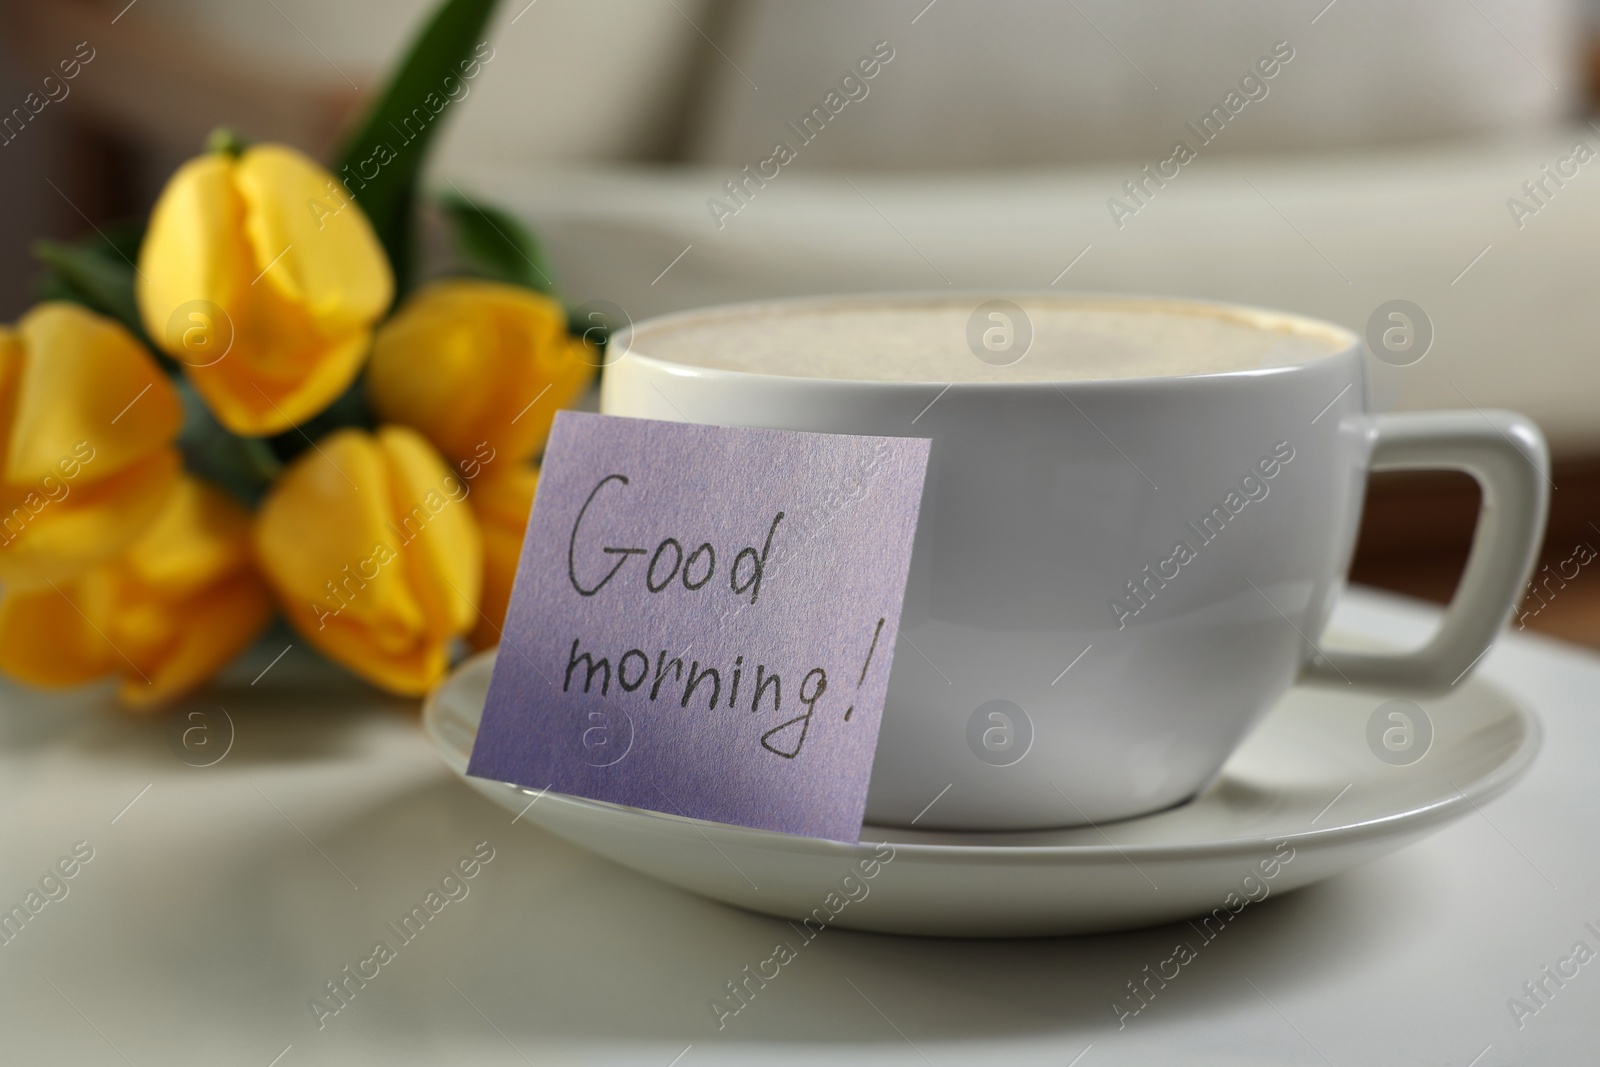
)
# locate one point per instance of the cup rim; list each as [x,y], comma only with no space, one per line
[1345,339]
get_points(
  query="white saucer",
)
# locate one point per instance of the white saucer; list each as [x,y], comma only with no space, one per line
[1303,798]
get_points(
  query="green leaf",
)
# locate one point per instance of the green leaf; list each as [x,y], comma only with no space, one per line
[95,275]
[243,466]
[495,243]
[381,162]
[350,409]
[121,239]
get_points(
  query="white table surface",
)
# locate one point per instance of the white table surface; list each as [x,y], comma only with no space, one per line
[225,896]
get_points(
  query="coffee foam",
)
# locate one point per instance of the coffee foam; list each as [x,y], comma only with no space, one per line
[1074,339]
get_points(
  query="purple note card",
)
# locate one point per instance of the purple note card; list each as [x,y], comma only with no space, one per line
[703,621]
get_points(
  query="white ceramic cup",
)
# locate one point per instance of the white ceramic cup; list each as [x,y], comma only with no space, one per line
[1021,696]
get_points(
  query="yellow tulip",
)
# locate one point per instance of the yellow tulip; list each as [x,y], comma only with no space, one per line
[501,501]
[87,424]
[263,278]
[164,616]
[374,555]
[475,364]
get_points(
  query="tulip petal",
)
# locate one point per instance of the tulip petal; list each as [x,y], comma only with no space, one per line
[166,615]
[272,381]
[502,550]
[314,243]
[502,501]
[431,369]
[199,535]
[12,357]
[323,537]
[442,553]
[504,497]
[187,598]
[45,539]
[194,255]
[213,628]
[476,365]
[567,368]
[85,381]
[410,670]
[47,639]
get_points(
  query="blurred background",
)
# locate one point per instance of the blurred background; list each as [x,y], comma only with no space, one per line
[1428,152]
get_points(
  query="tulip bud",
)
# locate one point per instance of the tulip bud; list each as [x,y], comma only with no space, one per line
[374,554]
[262,277]
[86,443]
[164,616]
[501,501]
[471,362]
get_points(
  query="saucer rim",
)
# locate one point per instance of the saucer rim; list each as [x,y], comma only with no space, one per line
[1484,788]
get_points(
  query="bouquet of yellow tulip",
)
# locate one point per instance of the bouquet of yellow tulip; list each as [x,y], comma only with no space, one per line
[223,413]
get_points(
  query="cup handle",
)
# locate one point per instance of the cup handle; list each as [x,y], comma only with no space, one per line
[1506,453]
